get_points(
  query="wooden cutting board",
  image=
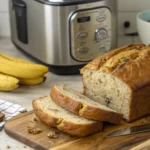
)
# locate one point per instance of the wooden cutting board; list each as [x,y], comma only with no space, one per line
[17,128]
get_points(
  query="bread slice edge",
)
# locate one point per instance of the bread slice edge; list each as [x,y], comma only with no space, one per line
[82,109]
[79,130]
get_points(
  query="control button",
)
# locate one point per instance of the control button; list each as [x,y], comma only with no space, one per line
[82,35]
[83,50]
[102,10]
[100,34]
[102,49]
[101,18]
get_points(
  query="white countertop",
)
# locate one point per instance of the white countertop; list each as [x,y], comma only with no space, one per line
[25,94]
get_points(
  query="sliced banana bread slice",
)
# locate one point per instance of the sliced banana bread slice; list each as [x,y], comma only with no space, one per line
[79,104]
[55,116]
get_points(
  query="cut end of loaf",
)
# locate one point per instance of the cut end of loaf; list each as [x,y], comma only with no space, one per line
[107,90]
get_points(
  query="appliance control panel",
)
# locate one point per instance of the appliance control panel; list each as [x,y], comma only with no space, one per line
[91,33]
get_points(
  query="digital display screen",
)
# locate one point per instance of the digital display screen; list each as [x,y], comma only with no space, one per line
[84,19]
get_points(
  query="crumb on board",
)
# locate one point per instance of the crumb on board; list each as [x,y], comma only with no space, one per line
[7,147]
[53,134]
[25,146]
[34,130]
[51,142]
[34,119]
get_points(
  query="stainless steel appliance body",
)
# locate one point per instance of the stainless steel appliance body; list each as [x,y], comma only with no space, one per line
[65,34]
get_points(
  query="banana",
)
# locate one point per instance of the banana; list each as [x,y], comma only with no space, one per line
[34,81]
[8,83]
[21,69]
[16,59]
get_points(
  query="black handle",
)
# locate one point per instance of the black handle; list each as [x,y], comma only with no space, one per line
[19,3]
[21,20]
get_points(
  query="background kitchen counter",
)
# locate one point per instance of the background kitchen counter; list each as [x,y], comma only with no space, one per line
[25,94]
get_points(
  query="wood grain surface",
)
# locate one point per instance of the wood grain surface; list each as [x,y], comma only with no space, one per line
[17,128]
[142,146]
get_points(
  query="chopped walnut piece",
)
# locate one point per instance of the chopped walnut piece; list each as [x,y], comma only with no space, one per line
[126,59]
[53,135]
[7,147]
[34,130]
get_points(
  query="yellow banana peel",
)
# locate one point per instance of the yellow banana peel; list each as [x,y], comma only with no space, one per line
[16,59]
[21,68]
[8,83]
[34,81]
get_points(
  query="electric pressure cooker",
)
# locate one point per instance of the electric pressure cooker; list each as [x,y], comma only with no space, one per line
[64,34]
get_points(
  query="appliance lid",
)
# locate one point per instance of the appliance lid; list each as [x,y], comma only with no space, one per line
[66,2]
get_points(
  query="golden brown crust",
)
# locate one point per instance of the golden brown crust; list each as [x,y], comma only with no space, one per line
[97,63]
[101,115]
[119,60]
[82,109]
[1,116]
[65,101]
[44,116]
[135,72]
[140,104]
[67,126]
[80,129]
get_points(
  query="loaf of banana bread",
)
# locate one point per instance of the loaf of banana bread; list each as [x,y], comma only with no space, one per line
[120,79]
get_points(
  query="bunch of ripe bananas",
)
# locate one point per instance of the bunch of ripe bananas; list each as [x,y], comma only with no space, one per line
[15,71]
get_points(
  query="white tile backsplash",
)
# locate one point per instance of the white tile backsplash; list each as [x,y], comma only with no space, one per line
[4,18]
[124,40]
[3,6]
[137,40]
[133,5]
[126,17]
[4,24]
[127,11]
